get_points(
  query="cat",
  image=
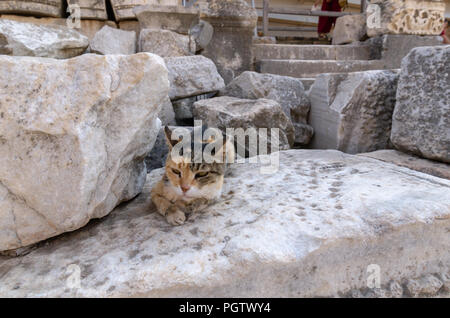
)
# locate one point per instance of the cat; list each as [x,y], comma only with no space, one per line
[189,185]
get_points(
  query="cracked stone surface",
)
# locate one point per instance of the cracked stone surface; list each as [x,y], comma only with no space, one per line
[55,41]
[310,229]
[73,137]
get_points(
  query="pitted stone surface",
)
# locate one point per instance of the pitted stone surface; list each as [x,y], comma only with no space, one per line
[310,229]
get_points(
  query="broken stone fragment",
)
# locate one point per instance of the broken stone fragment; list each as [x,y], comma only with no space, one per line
[230,112]
[287,91]
[113,41]
[73,137]
[349,29]
[421,119]
[27,39]
[191,76]
[165,43]
[90,9]
[352,112]
[41,8]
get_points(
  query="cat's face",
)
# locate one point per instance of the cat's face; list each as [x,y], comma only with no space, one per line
[191,180]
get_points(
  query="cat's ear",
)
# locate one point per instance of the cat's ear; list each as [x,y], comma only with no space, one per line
[169,140]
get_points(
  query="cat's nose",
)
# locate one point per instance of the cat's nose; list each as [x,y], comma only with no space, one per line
[185,188]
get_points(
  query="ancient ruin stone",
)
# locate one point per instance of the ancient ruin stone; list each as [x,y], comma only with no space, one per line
[349,29]
[353,112]
[27,39]
[435,168]
[191,76]
[87,27]
[166,114]
[165,43]
[90,9]
[202,34]
[231,45]
[167,17]
[230,112]
[113,41]
[310,229]
[123,9]
[427,285]
[421,118]
[287,91]
[420,17]
[45,8]
[183,108]
[73,137]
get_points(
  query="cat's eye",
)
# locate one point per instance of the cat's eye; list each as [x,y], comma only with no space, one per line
[177,172]
[201,174]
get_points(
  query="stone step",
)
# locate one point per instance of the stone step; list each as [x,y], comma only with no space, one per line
[310,69]
[312,52]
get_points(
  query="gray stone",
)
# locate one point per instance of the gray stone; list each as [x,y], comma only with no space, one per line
[167,17]
[269,235]
[183,107]
[166,114]
[113,41]
[233,22]
[353,112]
[44,8]
[287,91]
[27,39]
[165,43]
[421,121]
[202,34]
[230,112]
[393,48]
[73,137]
[191,76]
[435,168]
[427,285]
[90,9]
[124,9]
[349,29]
[395,289]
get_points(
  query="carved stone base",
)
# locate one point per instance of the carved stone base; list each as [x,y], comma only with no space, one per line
[419,17]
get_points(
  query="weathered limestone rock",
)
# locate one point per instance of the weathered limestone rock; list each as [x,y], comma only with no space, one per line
[287,91]
[230,112]
[420,17]
[435,168]
[113,41]
[27,39]
[192,75]
[427,285]
[233,22]
[166,114]
[353,112]
[87,27]
[90,9]
[393,48]
[165,43]
[130,25]
[349,29]
[167,17]
[421,121]
[73,137]
[310,229]
[183,108]
[45,8]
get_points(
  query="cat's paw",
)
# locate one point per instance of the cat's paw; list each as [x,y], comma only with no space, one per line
[176,217]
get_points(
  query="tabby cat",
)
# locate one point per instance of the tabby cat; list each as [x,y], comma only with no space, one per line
[189,185]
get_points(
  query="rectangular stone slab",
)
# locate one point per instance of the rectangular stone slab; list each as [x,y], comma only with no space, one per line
[44,8]
[313,228]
